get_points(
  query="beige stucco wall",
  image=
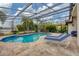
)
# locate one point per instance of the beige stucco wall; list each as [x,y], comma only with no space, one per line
[70,28]
[74,24]
[74,18]
[78,24]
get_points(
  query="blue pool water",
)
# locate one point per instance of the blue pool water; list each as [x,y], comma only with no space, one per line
[24,38]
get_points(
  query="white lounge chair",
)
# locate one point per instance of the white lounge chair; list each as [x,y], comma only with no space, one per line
[63,40]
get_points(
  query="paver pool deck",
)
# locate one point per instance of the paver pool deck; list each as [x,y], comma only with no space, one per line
[39,48]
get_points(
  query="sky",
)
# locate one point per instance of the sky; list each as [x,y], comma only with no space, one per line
[15,6]
[36,7]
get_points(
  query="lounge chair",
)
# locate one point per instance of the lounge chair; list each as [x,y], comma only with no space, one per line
[62,40]
[54,36]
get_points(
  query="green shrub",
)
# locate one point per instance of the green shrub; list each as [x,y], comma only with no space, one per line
[15,32]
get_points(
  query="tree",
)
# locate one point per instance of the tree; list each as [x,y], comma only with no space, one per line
[20,28]
[62,28]
[27,23]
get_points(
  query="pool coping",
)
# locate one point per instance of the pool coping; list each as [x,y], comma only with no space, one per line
[5,36]
[12,35]
[16,35]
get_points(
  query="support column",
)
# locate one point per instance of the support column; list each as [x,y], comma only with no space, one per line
[74,22]
[70,29]
[78,24]
[12,25]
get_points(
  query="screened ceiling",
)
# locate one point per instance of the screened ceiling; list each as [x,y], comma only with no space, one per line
[41,11]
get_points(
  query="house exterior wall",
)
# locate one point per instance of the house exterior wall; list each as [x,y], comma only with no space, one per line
[74,24]
[78,24]
[74,18]
[70,28]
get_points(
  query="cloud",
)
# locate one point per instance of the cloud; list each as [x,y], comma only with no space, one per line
[16,13]
[44,7]
[49,4]
[5,4]
[8,5]
[32,10]
[61,6]
[49,17]
[20,8]
[66,4]
[27,14]
[23,13]
[41,8]
[57,7]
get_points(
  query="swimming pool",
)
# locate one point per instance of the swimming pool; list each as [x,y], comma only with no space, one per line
[24,38]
